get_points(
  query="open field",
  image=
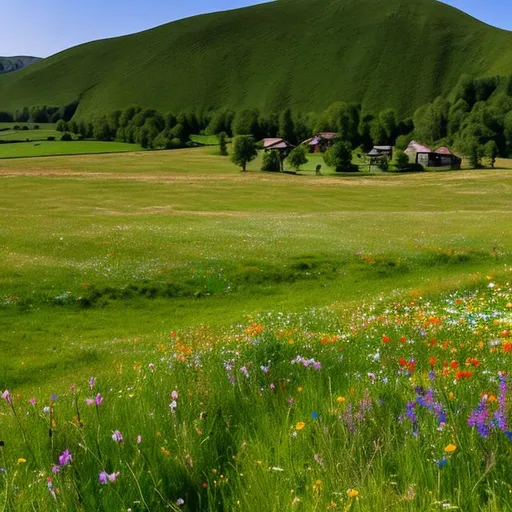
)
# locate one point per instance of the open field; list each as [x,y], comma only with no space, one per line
[29,135]
[264,334]
[56,148]
[190,236]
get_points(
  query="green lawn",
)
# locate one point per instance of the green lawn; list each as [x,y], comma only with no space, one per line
[127,247]
[55,148]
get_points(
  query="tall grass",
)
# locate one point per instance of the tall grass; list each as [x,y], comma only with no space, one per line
[397,405]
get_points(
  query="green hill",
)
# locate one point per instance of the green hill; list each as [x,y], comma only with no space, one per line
[300,53]
[10,64]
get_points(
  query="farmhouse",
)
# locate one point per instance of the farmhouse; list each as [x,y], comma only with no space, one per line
[425,156]
[321,142]
[379,152]
[277,144]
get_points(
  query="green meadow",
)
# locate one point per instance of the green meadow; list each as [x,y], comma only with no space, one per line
[56,148]
[124,247]
[264,334]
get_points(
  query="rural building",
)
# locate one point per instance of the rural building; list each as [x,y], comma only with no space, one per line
[277,144]
[379,152]
[321,142]
[384,151]
[426,157]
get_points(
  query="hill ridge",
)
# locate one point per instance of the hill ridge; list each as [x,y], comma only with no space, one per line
[288,53]
[15,63]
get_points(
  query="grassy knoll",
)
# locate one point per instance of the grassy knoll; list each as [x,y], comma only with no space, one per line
[278,342]
[56,148]
[304,54]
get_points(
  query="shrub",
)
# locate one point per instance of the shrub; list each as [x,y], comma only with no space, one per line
[383,164]
[66,137]
[51,138]
[401,159]
[297,157]
[271,162]
[223,143]
[339,156]
[62,126]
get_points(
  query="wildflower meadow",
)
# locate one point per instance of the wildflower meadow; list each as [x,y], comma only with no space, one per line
[396,405]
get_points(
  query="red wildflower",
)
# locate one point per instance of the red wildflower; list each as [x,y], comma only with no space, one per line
[432,361]
[402,362]
[386,339]
[507,346]
[454,364]
[463,375]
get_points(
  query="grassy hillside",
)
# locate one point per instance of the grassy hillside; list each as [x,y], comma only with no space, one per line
[299,53]
[10,64]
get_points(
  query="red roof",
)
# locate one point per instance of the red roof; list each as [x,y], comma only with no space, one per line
[444,151]
[276,143]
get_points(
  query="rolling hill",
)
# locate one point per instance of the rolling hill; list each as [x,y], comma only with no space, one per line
[10,64]
[304,54]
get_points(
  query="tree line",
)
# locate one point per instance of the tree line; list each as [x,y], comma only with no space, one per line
[40,114]
[475,119]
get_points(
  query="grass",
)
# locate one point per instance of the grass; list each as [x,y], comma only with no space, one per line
[89,242]
[29,135]
[173,271]
[402,405]
[254,57]
[207,140]
[56,148]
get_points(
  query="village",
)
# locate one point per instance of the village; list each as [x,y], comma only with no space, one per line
[417,154]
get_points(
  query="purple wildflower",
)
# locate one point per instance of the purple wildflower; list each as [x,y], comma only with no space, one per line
[104,477]
[174,395]
[55,469]
[65,458]
[479,418]
[244,371]
[98,400]
[500,415]
[6,395]
[32,401]
[92,382]
[117,436]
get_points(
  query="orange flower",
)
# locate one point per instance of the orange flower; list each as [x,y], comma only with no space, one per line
[386,339]
[454,364]
[450,448]
[507,346]
[432,361]
[352,493]
[300,425]
[340,399]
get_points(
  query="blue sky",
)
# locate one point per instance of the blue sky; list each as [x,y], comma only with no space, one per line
[42,28]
